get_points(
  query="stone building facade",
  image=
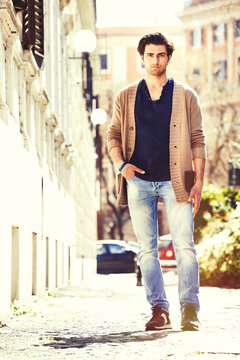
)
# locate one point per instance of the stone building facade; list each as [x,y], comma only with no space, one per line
[47,182]
[212,66]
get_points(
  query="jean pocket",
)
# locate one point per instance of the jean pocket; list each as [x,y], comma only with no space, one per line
[131,178]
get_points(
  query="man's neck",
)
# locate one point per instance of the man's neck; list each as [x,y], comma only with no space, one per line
[156,82]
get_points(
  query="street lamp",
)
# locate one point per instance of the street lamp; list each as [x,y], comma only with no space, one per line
[98,116]
[85,42]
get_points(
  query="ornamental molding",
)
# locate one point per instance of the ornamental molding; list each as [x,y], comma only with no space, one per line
[17,53]
[51,121]
[64,3]
[43,99]
[11,24]
[69,161]
[58,137]
[64,150]
[68,22]
[36,90]
[39,94]
[30,66]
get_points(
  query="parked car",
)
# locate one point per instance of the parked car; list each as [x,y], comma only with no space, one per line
[166,252]
[116,256]
[166,256]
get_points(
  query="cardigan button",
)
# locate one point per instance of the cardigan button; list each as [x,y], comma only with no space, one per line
[131,128]
[175,146]
[129,149]
[174,125]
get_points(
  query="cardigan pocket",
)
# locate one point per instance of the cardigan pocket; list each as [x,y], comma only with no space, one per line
[119,179]
[189,179]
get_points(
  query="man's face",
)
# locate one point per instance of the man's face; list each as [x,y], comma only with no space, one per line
[155,59]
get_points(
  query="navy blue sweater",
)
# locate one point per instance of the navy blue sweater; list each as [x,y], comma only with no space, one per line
[152,118]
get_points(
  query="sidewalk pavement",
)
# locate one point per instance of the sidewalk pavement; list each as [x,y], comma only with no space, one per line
[104,319]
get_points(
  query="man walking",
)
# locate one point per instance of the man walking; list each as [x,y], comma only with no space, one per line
[154,139]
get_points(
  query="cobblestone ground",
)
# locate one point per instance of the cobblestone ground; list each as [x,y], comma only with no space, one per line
[104,319]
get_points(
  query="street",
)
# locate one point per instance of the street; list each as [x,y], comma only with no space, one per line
[104,319]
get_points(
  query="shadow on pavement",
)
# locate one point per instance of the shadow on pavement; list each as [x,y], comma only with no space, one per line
[117,338]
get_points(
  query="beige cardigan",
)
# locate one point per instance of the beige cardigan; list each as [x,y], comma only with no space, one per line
[187,139]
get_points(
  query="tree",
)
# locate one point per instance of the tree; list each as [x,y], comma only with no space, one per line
[222,133]
[222,123]
[115,217]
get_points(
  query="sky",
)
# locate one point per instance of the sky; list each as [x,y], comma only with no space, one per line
[114,13]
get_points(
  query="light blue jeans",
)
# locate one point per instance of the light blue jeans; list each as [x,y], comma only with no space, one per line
[142,201]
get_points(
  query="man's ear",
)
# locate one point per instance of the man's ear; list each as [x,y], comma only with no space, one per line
[169,59]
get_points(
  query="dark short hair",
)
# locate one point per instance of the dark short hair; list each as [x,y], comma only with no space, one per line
[156,39]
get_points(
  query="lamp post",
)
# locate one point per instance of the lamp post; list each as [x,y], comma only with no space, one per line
[85,42]
[98,118]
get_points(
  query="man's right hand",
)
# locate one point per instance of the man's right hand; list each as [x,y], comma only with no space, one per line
[129,170]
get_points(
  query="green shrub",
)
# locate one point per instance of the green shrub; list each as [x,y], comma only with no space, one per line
[219,251]
[216,203]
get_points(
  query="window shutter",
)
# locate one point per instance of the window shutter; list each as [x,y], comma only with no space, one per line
[214,33]
[191,38]
[39,33]
[225,69]
[20,5]
[33,26]
[237,28]
[225,32]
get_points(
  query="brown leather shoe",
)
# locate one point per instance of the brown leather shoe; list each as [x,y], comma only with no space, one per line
[159,321]
[189,320]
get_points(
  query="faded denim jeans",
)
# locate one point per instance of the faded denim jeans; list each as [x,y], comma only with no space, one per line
[142,201]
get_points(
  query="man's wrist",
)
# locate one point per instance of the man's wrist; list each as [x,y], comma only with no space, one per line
[199,183]
[118,164]
[122,166]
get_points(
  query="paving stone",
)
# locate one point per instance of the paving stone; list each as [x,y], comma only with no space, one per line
[104,318]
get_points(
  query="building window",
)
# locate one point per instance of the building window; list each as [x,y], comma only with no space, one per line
[221,73]
[219,34]
[20,5]
[33,37]
[196,76]
[196,38]
[196,72]
[140,65]
[103,62]
[238,70]
[237,29]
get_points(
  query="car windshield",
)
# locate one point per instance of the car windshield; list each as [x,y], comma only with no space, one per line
[116,249]
[101,250]
[164,244]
